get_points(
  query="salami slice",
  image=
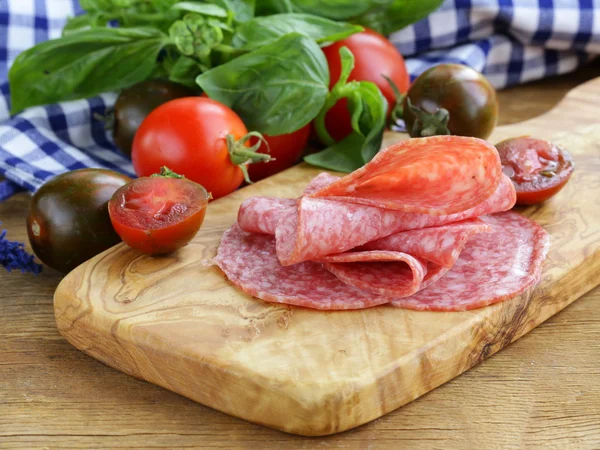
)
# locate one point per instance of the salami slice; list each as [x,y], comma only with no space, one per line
[321,227]
[319,182]
[493,267]
[261,214]
[250,262]
[437,175]
[388,273]
[401,264]
[439,245]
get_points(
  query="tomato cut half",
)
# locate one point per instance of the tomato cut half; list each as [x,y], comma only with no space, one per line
[537,168]
[158,215]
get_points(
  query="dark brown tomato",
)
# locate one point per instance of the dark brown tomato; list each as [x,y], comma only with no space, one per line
[537,168]
[68,220]
[465,93]
[136,102]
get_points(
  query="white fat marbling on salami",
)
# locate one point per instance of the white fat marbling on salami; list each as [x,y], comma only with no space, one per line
[249,261]
[493,266]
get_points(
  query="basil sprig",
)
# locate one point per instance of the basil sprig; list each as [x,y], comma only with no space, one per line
[367,107]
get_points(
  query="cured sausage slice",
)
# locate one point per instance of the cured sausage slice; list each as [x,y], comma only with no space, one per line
[437,175]
[261,214]
[321,227]
[250,262]
[440,245]
[319,182]
[401,264]
[388,273]
[492,267]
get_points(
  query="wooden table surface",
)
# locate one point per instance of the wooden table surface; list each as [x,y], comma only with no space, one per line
[541,391]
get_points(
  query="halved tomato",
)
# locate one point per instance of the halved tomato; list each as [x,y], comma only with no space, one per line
[158,214]
[537,168]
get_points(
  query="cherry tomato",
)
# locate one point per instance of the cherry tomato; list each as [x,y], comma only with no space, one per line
[136,102]
[158,215]
[466,94]
[285,148]
[374,57]
[537,168]
[68,219]
[189,135]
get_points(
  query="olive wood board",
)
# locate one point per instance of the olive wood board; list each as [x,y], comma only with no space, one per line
[179,324]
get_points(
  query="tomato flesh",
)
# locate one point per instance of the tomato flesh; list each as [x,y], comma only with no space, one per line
[158,215]
[537,168]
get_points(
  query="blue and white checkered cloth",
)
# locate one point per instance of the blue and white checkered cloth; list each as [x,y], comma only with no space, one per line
[510,42]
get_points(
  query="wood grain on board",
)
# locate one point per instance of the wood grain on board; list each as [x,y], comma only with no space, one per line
[181,325]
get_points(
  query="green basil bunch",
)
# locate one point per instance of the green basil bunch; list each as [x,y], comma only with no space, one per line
[261,58]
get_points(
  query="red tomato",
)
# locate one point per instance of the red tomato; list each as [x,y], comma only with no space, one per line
[158,215]
[188,135]
[285,148]
[538,168]
[374,56]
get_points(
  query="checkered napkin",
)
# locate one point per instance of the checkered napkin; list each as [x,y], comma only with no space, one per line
[509,41]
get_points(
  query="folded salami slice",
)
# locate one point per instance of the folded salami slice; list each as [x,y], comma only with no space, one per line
[437,175]
[250,262]
[440,245]
[319,182]
[388,273]
[321,227]
[401,264]
[261,214]
[492,267]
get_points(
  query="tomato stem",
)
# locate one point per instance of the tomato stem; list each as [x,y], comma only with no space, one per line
[397,110]
[241,155]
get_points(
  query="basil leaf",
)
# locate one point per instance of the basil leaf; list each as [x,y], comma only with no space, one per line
[83,64]
[243,10]
[276,89]
[107,5]
[368,110]
[338,9]
[201,8]
[398,15]
[343,156]
[268,7]
[78,23]
[184,71]
[261,31]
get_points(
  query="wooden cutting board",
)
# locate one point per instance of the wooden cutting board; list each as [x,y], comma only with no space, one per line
[181,325]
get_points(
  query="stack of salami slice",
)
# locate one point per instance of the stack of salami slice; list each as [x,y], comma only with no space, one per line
[424,225]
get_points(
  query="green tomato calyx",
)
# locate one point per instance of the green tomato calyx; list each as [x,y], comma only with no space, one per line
[165,172]
[428,123]
[241,155]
